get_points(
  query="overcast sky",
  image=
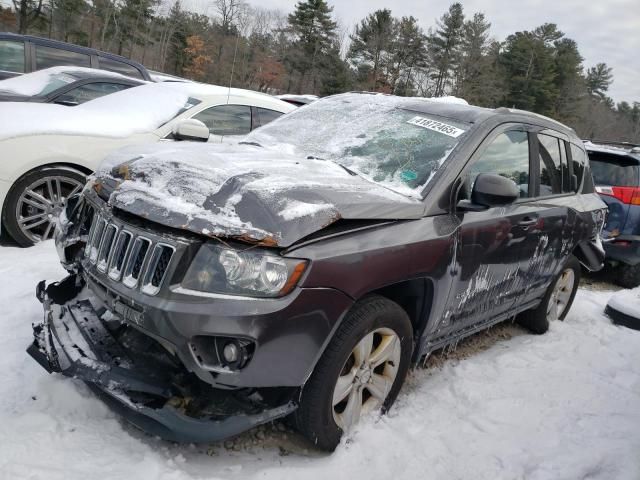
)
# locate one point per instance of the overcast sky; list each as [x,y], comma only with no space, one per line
[606,31]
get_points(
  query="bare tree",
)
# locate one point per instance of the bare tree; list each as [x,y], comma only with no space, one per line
[28,11]
[229,11]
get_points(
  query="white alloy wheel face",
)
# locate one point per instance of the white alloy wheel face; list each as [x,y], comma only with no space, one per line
[41,203]
[366,377]
[561,295]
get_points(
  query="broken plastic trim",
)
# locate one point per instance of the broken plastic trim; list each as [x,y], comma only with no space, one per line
[67,341]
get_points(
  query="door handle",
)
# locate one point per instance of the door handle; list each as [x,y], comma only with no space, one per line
[528,221]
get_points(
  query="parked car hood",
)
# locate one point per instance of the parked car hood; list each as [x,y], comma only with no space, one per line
[257,195]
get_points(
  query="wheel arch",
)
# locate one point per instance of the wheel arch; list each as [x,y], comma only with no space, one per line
[74,166]
[57,164]
[415,297]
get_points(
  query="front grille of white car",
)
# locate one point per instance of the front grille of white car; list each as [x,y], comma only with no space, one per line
[126,255]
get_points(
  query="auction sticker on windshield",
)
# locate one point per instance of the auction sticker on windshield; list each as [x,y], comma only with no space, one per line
[436,126]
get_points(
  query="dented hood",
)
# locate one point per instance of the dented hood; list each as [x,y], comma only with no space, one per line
[245,192]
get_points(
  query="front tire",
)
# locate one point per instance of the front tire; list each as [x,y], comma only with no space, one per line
[362,370]
[557,300]
[35,201]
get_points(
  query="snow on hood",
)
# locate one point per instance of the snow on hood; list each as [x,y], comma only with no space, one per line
[31,84]
[121,114]
[242,191]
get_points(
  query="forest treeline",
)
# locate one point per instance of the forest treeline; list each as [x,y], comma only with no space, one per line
[308,50]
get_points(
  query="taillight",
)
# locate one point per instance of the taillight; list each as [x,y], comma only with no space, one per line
[628,195]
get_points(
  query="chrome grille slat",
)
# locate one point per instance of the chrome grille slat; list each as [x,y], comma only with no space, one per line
[126,256]
[92,231]
[105,246]
[97,239]
[157,268]
[135,262]
[119,254]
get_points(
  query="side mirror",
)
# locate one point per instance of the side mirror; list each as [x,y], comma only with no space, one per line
[491,190]
[191,129]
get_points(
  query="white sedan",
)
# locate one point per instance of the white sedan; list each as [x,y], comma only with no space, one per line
[47,150]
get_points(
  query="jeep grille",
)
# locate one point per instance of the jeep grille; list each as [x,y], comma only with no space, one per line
[127,256]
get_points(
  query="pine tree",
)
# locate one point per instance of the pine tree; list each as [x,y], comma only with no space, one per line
[371,45]
[410,55]
[569,82]
[471,77]
[444,47]
[314,34]
[598,80]
[530,69]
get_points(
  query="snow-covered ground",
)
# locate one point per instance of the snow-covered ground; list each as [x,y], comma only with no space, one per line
[565,405]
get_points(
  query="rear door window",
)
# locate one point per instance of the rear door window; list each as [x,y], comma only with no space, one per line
[12,56]
[52,57]
[119,67]
[226,119]
[578,161]
[553,171]
[614,170]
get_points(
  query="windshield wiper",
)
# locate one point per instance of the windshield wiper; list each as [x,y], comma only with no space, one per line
[255,144]
[346,169]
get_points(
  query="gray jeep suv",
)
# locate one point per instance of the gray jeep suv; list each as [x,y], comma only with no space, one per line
[303,271]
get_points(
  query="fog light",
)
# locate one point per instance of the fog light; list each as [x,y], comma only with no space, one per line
[231,352]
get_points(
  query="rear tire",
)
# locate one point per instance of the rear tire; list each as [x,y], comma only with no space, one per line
[30,217]
[556,302]
[386,327]
[628,276]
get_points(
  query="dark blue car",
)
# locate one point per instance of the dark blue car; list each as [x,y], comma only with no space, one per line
[616,173]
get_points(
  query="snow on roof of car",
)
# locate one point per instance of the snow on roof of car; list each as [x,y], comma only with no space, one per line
[33,83]
[607,148]
[165,77]
[135,110]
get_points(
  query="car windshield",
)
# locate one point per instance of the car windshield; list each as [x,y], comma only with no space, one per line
[55,82]
[371,135]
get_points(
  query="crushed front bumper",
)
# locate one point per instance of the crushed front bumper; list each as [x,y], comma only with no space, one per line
[134,375]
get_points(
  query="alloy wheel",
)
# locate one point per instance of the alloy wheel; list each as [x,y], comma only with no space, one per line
[561,295]
[366,377]
[41,203]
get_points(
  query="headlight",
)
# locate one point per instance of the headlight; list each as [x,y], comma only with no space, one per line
[251,272]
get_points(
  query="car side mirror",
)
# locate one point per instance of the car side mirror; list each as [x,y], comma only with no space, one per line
[491,190]
[191,129]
